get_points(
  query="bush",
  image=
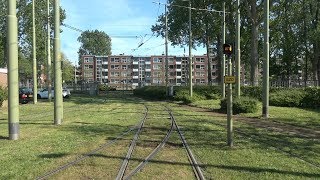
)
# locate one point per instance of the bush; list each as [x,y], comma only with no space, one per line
[184,96]
[252,91]
[240,105]
[151,92]
[287,98]
[311,98]
[3,95]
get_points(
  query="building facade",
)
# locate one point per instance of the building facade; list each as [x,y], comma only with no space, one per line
[123,71]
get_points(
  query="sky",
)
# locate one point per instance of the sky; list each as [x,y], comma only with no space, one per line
[117,18]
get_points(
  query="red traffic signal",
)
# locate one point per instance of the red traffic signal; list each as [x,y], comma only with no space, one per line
[227,49]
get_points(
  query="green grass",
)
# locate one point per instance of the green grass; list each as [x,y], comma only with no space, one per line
[90,122]
[258,153]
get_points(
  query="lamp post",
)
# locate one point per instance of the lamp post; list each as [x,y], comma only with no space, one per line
[238,65]
[35,81]
[48,53]
[223,63]
[265,108]
[58,102]
[190,55]
[13,99]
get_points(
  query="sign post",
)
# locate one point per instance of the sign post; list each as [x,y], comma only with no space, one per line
[227,49]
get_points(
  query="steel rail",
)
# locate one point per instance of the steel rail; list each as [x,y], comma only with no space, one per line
[84,156]
[154,152]
[131,148]
[195,166]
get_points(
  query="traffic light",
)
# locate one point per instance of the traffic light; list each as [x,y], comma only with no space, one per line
[227,49]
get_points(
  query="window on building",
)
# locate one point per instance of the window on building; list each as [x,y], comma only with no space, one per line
[157,60]
[115,74]
[115,66]
[157,67]
[124,67]
[115,59]
[88,59]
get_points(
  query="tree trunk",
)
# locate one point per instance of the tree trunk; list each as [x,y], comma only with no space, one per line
[218,59]
[209,62]
[254,74]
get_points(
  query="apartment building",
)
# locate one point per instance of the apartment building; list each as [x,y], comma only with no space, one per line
[123,71]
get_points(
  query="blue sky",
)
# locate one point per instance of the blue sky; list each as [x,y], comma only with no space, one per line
[116,18]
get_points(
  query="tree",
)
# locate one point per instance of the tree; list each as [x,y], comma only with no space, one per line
[94,43]
[67,69]
[204,25]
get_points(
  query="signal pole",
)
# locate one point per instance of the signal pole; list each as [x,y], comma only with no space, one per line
[34,48]
[58,102]
[13,99]
[227,49]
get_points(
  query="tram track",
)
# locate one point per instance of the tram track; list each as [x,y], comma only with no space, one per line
[192,160]
[123,172]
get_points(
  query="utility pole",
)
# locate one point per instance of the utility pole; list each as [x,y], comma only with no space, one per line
[34,47]
[48,53]
[238,61]
[166,44]
[58,102]
[265,108]
[190,55]
[223,63]
[13,99]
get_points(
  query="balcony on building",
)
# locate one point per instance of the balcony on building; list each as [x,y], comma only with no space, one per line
[178,63]
[105,70]
[135,77]
[135,62]
[104,77]
[178,77]
[135,70]
[147,62]
[148,70]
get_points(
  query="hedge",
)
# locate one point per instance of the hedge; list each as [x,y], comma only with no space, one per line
[3,95]
[240,105]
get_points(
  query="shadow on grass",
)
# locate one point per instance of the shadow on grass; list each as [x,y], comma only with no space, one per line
[227,167]
[53,155]
[4,138]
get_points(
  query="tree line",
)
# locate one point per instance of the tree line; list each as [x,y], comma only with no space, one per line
[294,34]
[24,16]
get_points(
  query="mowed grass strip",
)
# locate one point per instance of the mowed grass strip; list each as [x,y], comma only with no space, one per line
[88,123]
[250,158]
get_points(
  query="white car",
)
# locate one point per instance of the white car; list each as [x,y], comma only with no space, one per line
[43,94]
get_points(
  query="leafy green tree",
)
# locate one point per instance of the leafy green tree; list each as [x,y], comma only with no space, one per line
[67,70]
[94,43]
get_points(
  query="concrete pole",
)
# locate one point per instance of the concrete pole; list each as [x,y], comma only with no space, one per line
[229,108]
[34,56]
[223,63]
[48,53]
[265,108]
[13,99]
[190,55]
[238,61]
[58,102]
[166,44]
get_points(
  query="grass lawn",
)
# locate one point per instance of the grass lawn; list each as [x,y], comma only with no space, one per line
[90,122]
